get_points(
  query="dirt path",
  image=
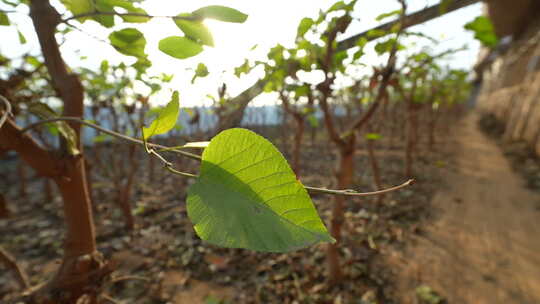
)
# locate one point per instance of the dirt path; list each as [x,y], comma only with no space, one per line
[484,246]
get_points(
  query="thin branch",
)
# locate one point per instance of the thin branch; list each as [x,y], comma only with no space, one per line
[354,193]
[168,165]
[108,132]
[129,277]
[7,111]
[10,263]
[97,13]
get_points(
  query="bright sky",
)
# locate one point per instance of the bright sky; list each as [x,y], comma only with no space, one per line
[269,23]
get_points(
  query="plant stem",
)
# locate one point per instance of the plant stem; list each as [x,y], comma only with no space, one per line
[168,165]
[108,132]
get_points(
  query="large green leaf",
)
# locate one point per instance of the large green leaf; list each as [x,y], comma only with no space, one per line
[179,47]
[221,13]
[195,30]
[247,196]
[129,41]
[166,119]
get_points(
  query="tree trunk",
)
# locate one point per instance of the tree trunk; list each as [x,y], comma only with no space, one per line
[374,168]
[411,138]
[81,271]
[21,172]
[345,174]
[4,211]
[47,190]
[299,134]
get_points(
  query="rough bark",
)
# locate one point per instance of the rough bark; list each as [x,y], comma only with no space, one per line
[345,174]
[77,275]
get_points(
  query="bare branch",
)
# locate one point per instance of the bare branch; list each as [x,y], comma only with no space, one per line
[354,193]
[10,263]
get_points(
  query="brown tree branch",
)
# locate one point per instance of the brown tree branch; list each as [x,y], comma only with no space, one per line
[41,160]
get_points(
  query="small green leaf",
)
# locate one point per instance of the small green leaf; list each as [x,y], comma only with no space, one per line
[129,41]
[483,31]
[221,13]
[22,39]
[247,196]
[337,6]
[373,136]
[201,71]
[195,30]
[32,61]
[304,26]
[243,69]
[389,14]
[375,33]
[179,47]
[4,20]
[104,66]
[166,119]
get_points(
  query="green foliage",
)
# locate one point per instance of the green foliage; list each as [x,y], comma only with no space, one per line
[43,111]
[195,30]
[247,196]
[389,14]
[129,41]
[243,69]
[22,39]
[4,20]
[221,13]
[373,136]
[426,295]
[304,26]
[179,47]
[77,7]
[166,119]
[201,71]
[386,46]
[483,31]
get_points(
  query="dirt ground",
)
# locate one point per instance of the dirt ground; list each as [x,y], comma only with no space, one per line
[484,244]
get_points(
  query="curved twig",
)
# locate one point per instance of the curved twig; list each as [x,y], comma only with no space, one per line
[354,193]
